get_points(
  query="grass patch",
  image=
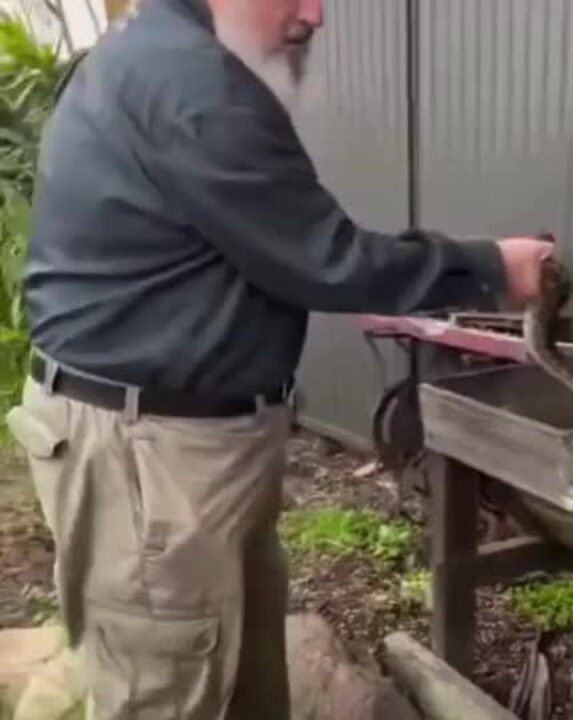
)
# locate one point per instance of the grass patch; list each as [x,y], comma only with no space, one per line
[337,531]
[549,604]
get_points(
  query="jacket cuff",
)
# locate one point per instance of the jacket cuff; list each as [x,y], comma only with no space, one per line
[485,260]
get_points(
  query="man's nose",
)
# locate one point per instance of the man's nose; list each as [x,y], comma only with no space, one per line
[311,12]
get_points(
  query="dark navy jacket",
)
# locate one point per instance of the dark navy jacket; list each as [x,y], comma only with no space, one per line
[181,234]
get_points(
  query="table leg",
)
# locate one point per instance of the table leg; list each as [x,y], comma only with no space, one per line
[454,549]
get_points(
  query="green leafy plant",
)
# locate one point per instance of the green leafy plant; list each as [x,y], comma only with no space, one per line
[548,604]
[14,224]
[30,74]
[340,531]
[396,539]
[416,589]
[14,339]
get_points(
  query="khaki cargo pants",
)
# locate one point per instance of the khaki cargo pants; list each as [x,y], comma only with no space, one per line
[168,566]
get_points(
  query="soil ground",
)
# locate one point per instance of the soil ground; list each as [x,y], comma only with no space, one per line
[354,593]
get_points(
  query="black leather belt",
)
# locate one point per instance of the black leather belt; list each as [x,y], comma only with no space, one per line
[151,402]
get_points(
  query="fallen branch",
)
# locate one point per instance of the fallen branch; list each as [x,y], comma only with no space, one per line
[439,691]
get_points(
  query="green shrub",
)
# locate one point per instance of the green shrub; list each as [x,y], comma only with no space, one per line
[548,604]
[29,77]
[14,338]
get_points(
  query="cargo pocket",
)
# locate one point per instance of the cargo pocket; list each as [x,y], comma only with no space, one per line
[153,669]
[45,444]
[37,437]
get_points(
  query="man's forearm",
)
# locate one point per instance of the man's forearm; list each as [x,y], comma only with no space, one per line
[359,271]
[427,271]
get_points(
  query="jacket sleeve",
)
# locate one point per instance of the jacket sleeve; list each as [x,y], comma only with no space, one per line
[246,183]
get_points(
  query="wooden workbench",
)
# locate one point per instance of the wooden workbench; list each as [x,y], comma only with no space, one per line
[503,432]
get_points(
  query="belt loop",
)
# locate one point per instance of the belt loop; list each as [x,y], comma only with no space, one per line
[292,403]
[131,407]
[289,389]
[50,376]
[260,404]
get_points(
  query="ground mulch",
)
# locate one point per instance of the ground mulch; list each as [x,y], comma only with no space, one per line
[363,603]
[26,547]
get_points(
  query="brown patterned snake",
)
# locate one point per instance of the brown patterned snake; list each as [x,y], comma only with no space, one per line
[541,322]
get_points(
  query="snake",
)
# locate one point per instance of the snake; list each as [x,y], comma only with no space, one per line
[541,322]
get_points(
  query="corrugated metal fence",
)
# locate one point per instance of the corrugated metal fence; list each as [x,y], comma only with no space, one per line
[354,122]
[495,118]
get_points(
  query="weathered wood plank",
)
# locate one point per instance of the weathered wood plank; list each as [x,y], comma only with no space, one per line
[509,559]
[481,419]
[453,558]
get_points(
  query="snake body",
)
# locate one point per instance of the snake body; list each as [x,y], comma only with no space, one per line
[541,323]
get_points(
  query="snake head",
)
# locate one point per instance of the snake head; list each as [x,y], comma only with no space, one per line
[555,291]
[555,284]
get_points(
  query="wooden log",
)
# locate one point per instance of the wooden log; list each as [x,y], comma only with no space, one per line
[436,688]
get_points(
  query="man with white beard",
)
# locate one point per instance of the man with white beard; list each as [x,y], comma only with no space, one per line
[180,238]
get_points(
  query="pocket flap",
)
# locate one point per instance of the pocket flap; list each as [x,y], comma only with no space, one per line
[193,638]
[35,435]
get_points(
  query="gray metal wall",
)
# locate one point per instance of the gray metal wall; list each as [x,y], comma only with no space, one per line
[353,120]
[495,130]
[496,108]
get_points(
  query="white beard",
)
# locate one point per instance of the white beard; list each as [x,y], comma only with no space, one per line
[277,74]
[278,71]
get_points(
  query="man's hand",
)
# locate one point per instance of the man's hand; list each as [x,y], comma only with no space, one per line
[522,258]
